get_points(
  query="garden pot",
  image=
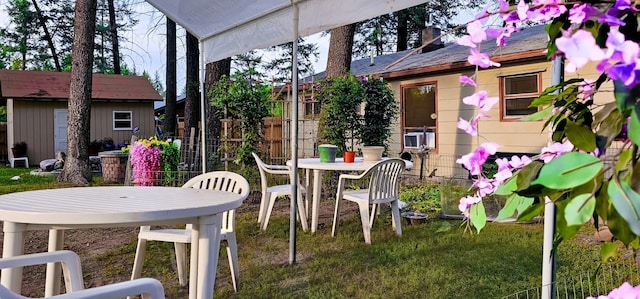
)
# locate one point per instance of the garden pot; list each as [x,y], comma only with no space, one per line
[18,153]
[372,153]
[349,156]
[327,153]
[414,218]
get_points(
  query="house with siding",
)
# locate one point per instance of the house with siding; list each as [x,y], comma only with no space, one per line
[36,104]
[430,95]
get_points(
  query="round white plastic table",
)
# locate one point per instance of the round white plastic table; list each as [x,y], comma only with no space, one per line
[319,167]
[90,207]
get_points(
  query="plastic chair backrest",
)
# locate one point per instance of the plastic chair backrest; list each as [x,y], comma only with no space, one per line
[223,181]
[385,178]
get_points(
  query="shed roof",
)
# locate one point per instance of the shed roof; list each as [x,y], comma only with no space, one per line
[55,85]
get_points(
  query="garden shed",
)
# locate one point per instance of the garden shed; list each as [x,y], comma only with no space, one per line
[37,109]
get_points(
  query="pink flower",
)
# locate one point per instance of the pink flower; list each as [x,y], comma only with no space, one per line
[476,33]
[466,202]
[519,162]
[625,291]
[485,186]
[466,80]
[548,153]
[481,100]
[471,127]
[474,161]
[579,49]
[619,49]
[586,88]
[465,40]
[481,59]
[582,12]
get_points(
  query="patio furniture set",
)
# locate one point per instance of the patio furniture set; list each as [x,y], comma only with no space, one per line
[205,203]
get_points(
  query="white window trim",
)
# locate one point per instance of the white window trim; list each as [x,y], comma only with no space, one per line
[130,121]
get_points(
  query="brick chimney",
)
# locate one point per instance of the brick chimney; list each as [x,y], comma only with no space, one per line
[428,34]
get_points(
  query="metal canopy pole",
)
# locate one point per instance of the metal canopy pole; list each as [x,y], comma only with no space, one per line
[203,126]
[294,138]
[548,255]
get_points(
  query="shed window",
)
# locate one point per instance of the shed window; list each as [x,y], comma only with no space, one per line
[122,120]
[518,91]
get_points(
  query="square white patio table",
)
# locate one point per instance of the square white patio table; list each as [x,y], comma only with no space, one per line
[94,207]
[319,167]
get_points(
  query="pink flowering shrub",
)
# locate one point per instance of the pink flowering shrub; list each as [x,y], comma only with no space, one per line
[569,171]
[145,163]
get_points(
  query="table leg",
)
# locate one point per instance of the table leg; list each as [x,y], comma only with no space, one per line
[208,251]
[317,189]
[13,246]
[52,285]
[193,265]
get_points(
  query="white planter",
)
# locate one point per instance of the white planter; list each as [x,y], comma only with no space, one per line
[372,153]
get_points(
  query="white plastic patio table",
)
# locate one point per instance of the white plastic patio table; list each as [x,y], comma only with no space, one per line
[319,167]
[91,207]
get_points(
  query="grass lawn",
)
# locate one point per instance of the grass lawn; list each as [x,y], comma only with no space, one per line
[437,259]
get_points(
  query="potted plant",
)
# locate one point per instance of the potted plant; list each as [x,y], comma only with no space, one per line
[340,118]
[19,149]
[380,111]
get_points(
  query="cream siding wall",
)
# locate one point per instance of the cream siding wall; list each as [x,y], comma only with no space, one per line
[451,143]
[33,123]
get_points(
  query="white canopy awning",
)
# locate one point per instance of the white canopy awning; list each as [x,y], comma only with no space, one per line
[229,27]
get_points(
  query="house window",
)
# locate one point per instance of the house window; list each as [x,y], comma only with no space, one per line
[419,108]
[122,120]
[517,93]
[311,107]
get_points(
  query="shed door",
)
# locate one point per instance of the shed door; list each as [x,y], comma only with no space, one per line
[60,130]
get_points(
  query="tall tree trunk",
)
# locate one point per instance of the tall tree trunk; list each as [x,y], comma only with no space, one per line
[113,27]
[171,93]
[47,36]
[340,49]
[214,71]
[191,111]
[401,36]
[76,168]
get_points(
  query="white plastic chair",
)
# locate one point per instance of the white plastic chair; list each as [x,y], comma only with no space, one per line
[74,282]
[216,180]
[271,193]
[383,188]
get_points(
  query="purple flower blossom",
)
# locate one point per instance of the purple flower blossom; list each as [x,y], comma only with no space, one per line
[474,161]
[619,49]
[481,100]
[579,48]
[586,88]
[519,162]
[625,291]
[582,12]
[481,59]
[549,152]
[466,203]
[476,32]
[466,80]
[485,186]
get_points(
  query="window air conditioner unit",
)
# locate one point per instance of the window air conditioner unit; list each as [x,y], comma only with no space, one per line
[415,140]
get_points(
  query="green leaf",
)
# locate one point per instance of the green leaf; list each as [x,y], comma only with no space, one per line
[602,201]
[619,227]
[514,203]
[507,187]
[543,100]
[581,136]
[603,113]
[478,216]
[580,209]
[611,125]
[608,252]
[540,115]
[569,170]
[626,202]
[528,174]
[623,159]
[531,212]
[564,229]
[634,127]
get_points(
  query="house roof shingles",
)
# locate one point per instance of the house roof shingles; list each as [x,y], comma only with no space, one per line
[532,40]
[55,85]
